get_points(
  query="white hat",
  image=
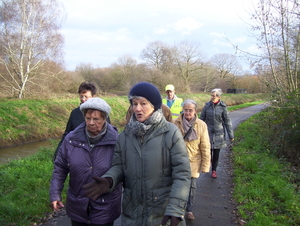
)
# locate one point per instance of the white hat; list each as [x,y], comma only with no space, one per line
[97,104]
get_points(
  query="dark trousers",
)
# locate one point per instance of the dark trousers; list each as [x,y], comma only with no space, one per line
[214,159]
[75,223]
[192,195]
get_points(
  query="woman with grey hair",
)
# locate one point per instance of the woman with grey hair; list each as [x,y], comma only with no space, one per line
[216,116]
[86,152]
[197,143]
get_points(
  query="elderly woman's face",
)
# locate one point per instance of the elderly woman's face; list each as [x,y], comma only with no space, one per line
[214,97]
[142,108]
[189,111]
[95,121]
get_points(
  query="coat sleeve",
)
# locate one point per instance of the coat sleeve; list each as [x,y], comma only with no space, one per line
[59,174]
[181,174]
[203,113]
[167,113]
[204,147]
[116,170]
[227,123]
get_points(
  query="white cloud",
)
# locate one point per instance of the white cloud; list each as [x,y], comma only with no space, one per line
[101,31]
[160,31]
[187,25]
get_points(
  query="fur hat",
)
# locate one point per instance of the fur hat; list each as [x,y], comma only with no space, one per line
[97,104]
[148,91]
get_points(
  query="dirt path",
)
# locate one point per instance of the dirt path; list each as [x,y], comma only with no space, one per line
[213,205]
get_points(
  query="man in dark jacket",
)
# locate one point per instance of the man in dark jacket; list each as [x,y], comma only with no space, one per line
[86,91]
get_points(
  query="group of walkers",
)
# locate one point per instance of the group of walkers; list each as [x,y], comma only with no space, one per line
[148,172]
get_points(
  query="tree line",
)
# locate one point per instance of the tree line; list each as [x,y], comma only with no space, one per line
[31,60]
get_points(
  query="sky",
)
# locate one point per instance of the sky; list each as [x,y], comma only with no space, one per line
[99,32]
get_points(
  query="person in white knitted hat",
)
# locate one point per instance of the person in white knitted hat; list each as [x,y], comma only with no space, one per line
[87,152]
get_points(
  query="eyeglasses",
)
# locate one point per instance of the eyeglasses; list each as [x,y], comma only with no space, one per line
[188,110]
[96,120]
[84,97]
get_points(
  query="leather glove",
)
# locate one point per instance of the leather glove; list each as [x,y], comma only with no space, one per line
[98,187]
[174,220]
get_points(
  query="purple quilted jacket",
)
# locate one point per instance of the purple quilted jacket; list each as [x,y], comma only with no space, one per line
[81,162]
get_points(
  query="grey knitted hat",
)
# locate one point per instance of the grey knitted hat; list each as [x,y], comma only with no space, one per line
[97,104]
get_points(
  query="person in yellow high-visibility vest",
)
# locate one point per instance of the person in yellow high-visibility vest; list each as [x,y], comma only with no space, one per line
[172,101]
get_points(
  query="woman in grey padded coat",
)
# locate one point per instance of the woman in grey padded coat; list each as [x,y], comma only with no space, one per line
[151,160]
[215,114]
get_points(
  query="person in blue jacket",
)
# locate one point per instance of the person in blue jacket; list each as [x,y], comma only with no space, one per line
[86,152]
[86,90]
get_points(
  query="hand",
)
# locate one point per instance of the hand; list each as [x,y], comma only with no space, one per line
[95,189]
[57,205]
[174,220]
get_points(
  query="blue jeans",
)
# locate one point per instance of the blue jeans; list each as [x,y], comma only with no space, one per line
[192,195]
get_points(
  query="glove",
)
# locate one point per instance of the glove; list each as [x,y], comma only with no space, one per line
[174,220]
[95,189]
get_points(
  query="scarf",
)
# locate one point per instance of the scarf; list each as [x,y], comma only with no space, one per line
[186,126]
[95,139]
[141,128]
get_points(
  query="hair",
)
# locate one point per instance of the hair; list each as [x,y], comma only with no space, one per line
[87,86]
[190,101]
[218,91]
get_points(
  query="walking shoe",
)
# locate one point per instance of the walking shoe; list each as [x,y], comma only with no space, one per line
[214,174]
[190,216]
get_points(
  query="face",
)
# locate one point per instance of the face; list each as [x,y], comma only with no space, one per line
[142,108]
[214,97]
[189,111]
[85,95]
[94,121]
[170,94]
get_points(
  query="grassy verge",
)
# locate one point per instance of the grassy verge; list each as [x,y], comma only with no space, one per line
[24,121]
[245,105]
[266,188]
[24,189]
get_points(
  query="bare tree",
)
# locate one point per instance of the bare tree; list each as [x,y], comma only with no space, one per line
[226,64]
[126,67]
[158,55]
[85,70]
[29,40]
[277,24]
[189,59]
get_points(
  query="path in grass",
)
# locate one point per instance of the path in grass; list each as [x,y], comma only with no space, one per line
[213,204]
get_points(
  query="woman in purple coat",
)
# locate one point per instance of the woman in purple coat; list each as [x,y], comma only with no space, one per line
[87,152]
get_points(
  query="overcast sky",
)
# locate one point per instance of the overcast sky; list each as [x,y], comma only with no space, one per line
[101,31]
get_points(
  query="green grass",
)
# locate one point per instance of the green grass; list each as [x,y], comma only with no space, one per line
[24,189]
[265,188]
[245,105]
[32,120]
